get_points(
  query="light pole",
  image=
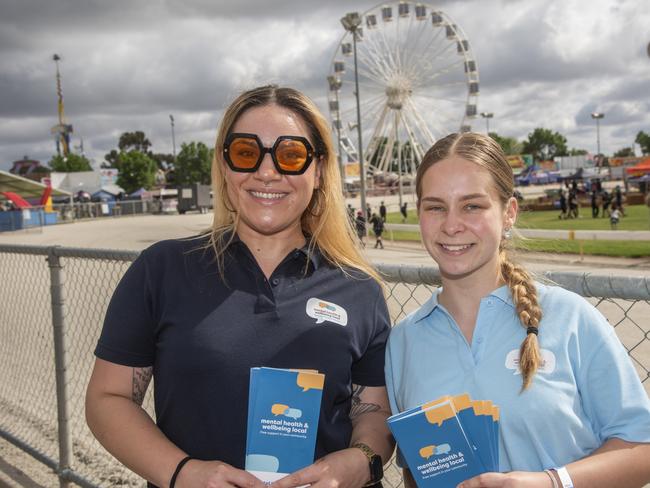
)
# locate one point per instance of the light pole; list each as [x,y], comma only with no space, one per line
[487,116]
[171,118]
[351,23]
[335,85]
[598,116]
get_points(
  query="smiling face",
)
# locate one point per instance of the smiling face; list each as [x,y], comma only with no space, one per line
[462,220]
[268,202]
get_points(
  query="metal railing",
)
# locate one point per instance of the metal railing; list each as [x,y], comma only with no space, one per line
[52,304]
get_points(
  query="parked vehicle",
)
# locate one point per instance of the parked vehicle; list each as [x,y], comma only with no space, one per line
[194,197]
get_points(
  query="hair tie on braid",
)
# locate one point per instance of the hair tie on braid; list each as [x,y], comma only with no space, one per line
[532,330]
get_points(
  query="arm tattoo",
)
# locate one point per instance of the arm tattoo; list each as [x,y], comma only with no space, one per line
[141,379]
[358,408]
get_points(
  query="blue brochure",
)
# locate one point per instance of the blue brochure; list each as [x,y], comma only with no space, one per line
[447,441]
[283,412]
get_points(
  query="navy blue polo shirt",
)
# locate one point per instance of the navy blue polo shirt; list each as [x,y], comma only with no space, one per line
[172,310]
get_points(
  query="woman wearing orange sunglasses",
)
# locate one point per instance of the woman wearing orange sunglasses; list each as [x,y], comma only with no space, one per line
[278,281]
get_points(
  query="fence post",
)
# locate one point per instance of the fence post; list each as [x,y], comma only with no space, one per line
[58,329]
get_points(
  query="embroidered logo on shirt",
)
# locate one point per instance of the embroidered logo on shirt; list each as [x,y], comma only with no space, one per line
[322,310]
[546,365]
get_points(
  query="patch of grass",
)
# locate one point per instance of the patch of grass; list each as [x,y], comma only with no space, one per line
[627,249]
[623,249]
[636,218]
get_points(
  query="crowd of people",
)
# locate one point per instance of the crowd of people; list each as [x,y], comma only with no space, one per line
[377,221]
[603,203]
[195,315]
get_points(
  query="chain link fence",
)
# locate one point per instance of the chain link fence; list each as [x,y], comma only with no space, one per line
[52,304]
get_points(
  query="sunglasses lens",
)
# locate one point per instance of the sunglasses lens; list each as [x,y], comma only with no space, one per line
[291,155]
[244,152]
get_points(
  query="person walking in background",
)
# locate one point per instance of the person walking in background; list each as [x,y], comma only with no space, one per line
[382,211]
[368,212]
[607,200]
[594,203]
[404,211]
[573,411]
[614,217]
[573,204]
[563,205]
[360,225]
[618,198]
[196,314]
[378,229]
[350,210]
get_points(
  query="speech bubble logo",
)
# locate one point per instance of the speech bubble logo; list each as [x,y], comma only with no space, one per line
[546,364]
[309,381]
[427,451]
[262,462]
[440,413]
[322,310]
[279,409]
[443,449]
[512,361]
[293,413]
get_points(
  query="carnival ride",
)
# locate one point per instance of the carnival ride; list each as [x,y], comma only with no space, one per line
[62,130]
[418,81]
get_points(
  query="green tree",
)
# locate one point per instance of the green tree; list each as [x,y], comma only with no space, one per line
[137,170]
[624,152]
[577,152]
[545,144]
[111,159]
[510,145]
[193,164]
[643,140]
[134,141]
[73,163]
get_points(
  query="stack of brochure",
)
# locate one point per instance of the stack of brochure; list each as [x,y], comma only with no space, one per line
[448,440]
[283,412]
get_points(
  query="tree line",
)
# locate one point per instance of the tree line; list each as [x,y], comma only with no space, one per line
[138,165]
[544,144]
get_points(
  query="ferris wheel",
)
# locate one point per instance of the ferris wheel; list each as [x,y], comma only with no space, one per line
[418,81]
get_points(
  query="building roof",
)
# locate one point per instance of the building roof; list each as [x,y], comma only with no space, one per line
[26,188]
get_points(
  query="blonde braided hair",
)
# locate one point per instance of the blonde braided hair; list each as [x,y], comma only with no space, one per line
[485,152]
[524,296]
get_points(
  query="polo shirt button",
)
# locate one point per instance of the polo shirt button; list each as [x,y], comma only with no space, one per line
[275,281]
[479,340]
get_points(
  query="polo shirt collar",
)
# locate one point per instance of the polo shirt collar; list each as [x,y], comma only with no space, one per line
[315,256]
[502,293]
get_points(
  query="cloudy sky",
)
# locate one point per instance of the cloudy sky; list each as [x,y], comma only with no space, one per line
[128,64]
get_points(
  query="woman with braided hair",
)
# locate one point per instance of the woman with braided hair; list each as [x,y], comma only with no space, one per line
[572,409]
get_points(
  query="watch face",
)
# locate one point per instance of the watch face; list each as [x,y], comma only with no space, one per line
[376,468]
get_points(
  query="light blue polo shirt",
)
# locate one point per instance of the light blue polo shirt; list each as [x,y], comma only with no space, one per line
[585,392]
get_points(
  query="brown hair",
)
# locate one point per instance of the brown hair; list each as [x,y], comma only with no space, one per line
[485,152]
[324,221]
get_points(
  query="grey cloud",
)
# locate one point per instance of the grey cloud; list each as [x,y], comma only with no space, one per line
[127,65]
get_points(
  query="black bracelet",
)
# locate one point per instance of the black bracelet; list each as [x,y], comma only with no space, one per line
[179,466]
